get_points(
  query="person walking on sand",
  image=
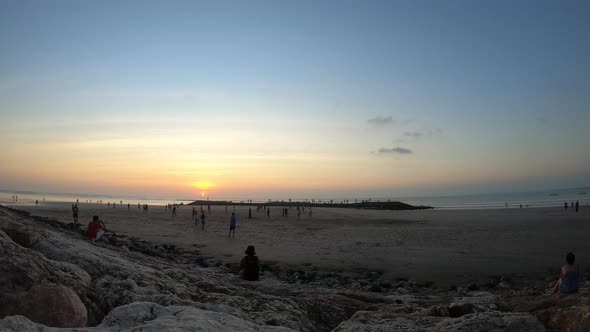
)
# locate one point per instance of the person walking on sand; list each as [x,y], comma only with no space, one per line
[577,206]
[174,211]
[203,219]
[250,265]
[232,225]
[565,206]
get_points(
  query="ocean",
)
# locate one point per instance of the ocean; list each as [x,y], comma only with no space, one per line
[545,198]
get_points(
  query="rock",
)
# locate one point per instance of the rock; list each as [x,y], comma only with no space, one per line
[484,322]
[461,309]
[490,321]
[438,311]
[147,317]
[51,305]
[573,319]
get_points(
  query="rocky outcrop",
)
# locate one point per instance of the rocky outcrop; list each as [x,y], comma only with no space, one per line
[151,317]
[563,313]
[484,322]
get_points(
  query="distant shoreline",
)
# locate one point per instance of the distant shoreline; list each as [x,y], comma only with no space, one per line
[358,205]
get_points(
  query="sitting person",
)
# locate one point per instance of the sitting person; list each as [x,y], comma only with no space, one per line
[569,277]
[250,265]
[96,229]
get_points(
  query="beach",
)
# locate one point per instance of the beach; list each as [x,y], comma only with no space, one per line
[441,246]
[341,270]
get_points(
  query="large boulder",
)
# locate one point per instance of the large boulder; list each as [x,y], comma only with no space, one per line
[51,305]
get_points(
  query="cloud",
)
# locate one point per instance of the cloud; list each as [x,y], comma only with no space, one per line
[413,134]
[396,150]
[409,136]
[381,121]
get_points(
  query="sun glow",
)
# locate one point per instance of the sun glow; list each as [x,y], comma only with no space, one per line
[203,185]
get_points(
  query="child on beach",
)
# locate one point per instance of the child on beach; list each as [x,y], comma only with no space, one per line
[250,265]
[569,277]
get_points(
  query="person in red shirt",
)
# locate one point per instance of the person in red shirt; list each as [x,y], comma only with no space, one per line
[96,229]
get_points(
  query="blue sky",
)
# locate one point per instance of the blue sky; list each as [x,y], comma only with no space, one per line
[478,92]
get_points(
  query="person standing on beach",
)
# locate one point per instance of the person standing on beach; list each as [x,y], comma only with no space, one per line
[310,211]
[37,203]
[232,225]
[203,219]
[128,206]
[174,211]
[249,213]
[577,206]
[565,206]
[75,213]
[267,212]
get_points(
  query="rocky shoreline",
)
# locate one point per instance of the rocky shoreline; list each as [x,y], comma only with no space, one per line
[52,277]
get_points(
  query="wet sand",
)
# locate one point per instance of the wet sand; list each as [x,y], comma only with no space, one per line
[445,246]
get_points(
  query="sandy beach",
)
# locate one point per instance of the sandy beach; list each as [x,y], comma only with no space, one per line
[444,246]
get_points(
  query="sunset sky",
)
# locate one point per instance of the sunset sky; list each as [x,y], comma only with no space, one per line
[267,99]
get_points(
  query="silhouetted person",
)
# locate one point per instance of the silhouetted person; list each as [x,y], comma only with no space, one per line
[174,210]
[75,213]
[250,265]
[310,211]
[203,219]
[569,277]
[232,225]
[577,206]
[565,206]
[268,212]
[37,203]
[249,213]
[194,215]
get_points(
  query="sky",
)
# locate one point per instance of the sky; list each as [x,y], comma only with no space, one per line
[306,99]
